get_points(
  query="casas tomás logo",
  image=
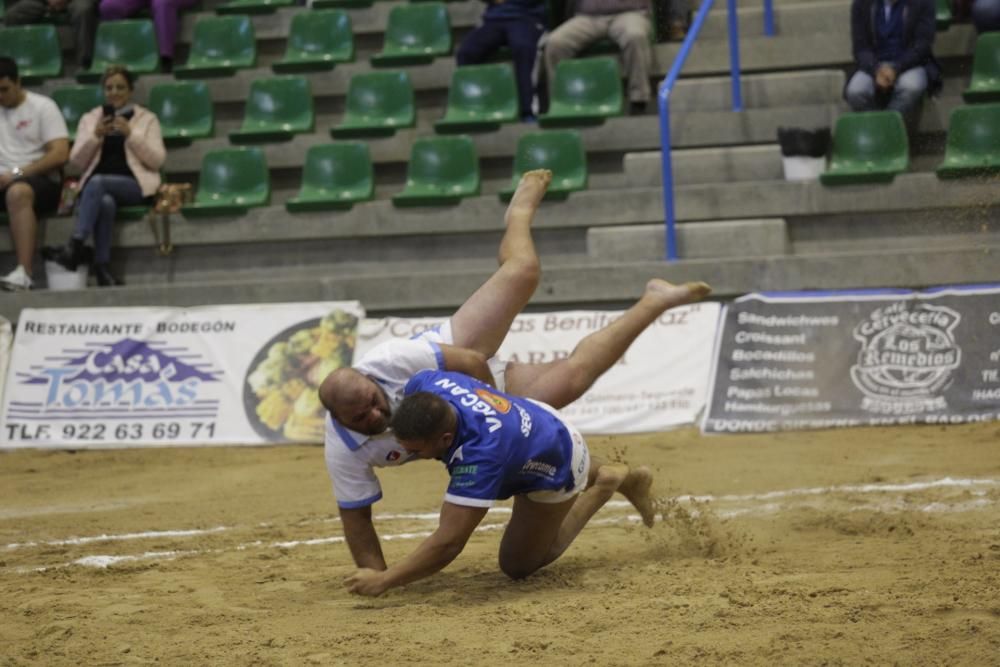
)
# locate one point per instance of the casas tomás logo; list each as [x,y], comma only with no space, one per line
[908,354]
[124,378]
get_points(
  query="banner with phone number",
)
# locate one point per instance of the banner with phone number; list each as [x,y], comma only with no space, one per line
[661,382]
[123,377]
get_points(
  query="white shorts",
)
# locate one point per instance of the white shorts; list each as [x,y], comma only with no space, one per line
[580,462]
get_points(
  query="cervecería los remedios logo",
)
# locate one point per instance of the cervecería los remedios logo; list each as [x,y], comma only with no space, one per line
[124,378]
[907,358]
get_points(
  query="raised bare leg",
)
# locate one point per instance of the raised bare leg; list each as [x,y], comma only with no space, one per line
[561,382]
[482,322]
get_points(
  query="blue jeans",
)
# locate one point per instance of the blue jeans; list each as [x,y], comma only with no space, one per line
[99,201]
[904,96]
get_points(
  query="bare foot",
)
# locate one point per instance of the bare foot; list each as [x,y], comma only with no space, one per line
[611,476]
[668,295]
[636,488]
[529,193]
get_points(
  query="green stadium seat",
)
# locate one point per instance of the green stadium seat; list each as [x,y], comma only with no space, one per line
[973,147]
[277,108]
[985,83]
[317,40]
[74,101]
[441,171]
[35,49]
[560,151]
[942,15]
[131,43]
[378,103]
[480,98]
[868,147]
[415,35]
[252,6]
[585,91]
[220,46]
[335,177]
[231,181]
[342,4]
[185,111]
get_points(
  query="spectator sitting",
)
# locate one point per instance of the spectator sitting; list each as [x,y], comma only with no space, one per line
[165,18]
[892,42]
[82,15]
[34,145]
[628,24]
[120,149]
[517,24]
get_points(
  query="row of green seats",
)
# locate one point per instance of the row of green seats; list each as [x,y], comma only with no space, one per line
[480,98]
[441,171]
[872,147]
[415,34]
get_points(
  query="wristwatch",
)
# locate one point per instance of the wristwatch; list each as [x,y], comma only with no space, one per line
[17,173]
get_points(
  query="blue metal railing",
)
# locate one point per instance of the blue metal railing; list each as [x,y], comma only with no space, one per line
[667,86]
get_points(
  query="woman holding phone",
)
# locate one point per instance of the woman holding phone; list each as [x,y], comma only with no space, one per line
[120,149]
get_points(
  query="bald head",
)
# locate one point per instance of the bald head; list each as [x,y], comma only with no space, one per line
[355,400]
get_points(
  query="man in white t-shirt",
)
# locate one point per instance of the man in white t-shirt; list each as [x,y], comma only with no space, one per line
[34,145]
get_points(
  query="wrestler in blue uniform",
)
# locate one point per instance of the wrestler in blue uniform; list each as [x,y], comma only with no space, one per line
[504,445]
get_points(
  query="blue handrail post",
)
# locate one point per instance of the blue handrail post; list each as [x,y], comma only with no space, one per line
[663,97]
[769,18]
[734,55]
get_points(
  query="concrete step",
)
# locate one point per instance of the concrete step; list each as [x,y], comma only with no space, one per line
[723,239]
[707,165]
[586,283]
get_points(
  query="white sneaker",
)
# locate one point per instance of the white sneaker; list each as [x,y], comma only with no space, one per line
[17,280]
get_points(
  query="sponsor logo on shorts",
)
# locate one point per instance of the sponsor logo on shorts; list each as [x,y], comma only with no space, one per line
[908,357]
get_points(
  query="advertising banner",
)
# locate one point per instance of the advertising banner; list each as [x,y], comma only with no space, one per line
[157,376]
[660,383]
[804,361]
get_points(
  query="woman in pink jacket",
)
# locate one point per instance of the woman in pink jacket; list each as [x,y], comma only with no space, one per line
[120,149]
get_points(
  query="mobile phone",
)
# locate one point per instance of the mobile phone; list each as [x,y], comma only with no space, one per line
[109,110]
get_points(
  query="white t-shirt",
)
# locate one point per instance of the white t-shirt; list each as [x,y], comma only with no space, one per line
[25,129]
[351,456]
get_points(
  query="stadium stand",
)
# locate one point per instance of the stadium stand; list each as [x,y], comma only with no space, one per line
[560,151]
[131,42]
[480,98]
[742,226]
[973,142]
[74,101]
[185,111]
[586,91]
[277,108]
[335,177]
[985,83]
[317,41]
[222,44]
[441,171]
[35,49]
[868,147]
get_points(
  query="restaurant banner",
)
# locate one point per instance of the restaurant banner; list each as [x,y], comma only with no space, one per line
[116,377]
[660,383]
[822,360]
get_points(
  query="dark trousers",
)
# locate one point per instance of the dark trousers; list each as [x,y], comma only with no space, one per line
[82,18]
[521,36]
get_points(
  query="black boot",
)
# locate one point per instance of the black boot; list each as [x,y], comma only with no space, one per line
[104,276]
[71,255]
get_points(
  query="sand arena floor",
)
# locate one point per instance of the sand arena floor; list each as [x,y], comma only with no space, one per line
[831,548]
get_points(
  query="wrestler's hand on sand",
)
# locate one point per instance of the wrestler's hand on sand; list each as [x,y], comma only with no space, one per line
[366,582]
